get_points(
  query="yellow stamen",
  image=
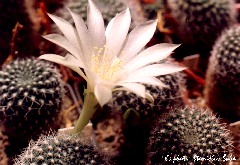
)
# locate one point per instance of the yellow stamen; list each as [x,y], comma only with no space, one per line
[104,64]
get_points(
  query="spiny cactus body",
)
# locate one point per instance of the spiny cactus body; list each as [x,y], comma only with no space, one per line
[30,98]
[61,150]
[201,21]
[188,134]
[30,93]
[222,91]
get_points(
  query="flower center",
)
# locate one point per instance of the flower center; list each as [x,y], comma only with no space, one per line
[105,64]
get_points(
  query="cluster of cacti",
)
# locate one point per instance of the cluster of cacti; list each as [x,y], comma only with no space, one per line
[3,145]
[200,22]
[222,91]
[30,99]
[12,12]
[61,150]
[189,135]
[129,129]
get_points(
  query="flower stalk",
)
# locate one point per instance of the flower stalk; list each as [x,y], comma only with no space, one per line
[90,106]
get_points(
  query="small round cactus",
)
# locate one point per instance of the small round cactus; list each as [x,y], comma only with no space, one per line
[61,150]
[201,21]
[185,135]
[222,91]
[30,95]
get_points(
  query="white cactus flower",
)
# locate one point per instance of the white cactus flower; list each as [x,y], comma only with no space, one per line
[111,59]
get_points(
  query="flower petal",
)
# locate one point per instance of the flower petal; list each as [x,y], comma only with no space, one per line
[151,55]
[137,39]
[117,31]
[156,70]
[136,88]
[84,36]
[95,25]
[68,61]
[61,41]
[103,93]
[146,80]
[67,29]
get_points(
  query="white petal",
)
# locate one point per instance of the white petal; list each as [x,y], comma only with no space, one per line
[151,55]
[137,39]
[146,95]
[103,93]
[117,31]
[146,80]
[149,97]
[67,29]
[61,41]
[156,70]
[68,61]
[136,88]
[154,81]
[84,36]
[95,25]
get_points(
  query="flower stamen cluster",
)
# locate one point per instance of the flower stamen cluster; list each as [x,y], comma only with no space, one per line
[104,64]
